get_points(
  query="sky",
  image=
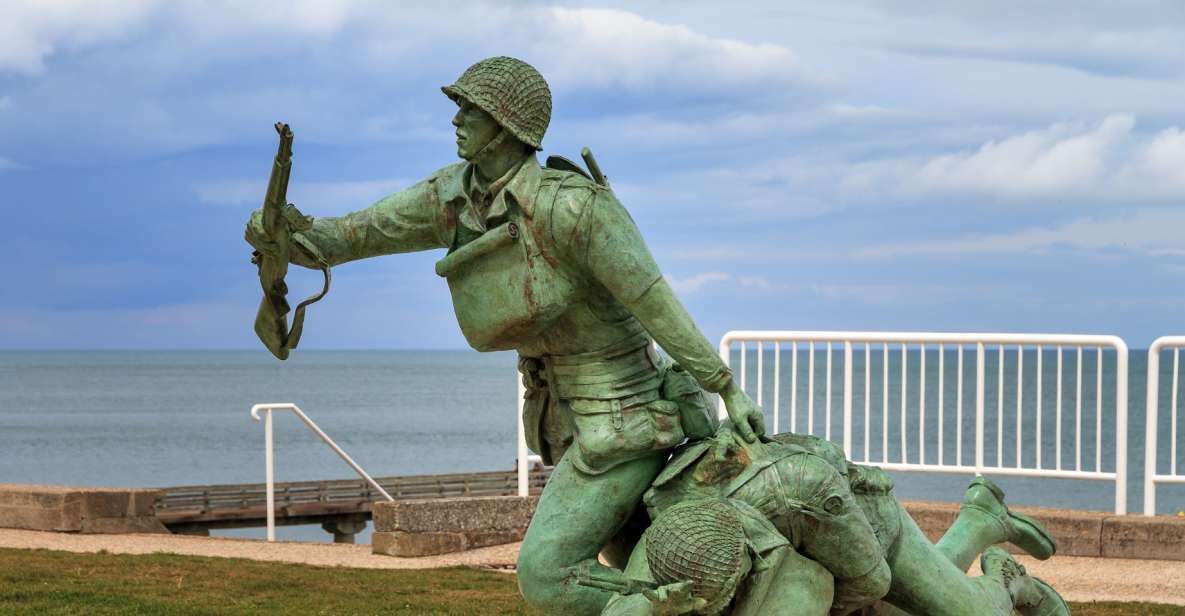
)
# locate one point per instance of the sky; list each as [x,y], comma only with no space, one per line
[1011,166]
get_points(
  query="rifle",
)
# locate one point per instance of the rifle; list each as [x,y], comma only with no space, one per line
[280,220]
[611,580]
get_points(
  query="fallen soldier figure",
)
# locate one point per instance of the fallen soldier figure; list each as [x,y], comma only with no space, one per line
[789,526]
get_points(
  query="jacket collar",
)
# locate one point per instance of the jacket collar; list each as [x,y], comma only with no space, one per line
[521,183]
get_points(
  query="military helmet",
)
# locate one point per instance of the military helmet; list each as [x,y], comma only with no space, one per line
[701,541]
[511,91]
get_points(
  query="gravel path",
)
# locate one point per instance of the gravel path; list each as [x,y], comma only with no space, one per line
[1077,578]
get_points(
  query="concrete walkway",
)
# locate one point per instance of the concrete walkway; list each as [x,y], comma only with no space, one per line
[1078,578]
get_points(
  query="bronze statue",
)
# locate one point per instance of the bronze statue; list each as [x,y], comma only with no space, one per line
[776,503]
[546,261]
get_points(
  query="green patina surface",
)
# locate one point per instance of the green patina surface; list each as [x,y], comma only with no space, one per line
[546,261]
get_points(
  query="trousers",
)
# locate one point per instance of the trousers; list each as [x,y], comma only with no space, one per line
[578,514]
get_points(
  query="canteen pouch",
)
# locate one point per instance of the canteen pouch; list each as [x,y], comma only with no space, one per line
[696,411]
[610,432]
[547,432]
[504,292]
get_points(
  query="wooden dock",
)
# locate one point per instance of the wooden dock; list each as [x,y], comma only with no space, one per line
[342,506]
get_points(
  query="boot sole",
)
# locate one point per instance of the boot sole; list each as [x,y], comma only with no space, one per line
[1049,591]
[1046,546]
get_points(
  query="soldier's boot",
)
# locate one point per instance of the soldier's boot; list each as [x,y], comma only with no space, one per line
[1031,596]
[985,520]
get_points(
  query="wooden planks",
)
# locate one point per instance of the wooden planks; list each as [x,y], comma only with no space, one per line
[220,503]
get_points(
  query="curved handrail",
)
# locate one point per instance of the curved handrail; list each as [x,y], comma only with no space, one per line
[270,463]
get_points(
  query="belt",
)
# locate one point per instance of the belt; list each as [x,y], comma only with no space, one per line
[623,369]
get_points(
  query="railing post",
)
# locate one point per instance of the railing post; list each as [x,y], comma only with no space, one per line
[1151,411]
[269,466]
[1120,427]
[523,484]
[847,399]
[726,357]
[979,401]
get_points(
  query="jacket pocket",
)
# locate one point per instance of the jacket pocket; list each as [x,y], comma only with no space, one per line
[608,433]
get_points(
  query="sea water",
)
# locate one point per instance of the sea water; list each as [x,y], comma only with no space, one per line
[157,419]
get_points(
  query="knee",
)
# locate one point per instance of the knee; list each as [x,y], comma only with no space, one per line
[540,576]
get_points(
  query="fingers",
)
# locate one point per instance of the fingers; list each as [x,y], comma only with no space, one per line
[255,234]
[745,430]
[758,419]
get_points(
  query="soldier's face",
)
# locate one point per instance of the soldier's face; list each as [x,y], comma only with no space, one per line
[475,129]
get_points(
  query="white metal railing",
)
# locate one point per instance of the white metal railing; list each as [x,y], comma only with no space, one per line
[269,462]
[525,459]
[865,349]
[1151,477]
[521,462]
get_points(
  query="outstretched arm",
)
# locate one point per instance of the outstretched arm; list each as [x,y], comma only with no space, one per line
[611,248]
[409,220]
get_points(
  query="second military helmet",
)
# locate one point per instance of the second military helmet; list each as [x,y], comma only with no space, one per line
[511,91]
[703,542]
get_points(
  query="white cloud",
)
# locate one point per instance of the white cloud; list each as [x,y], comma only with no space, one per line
[1157,166]
[1107,161]
[162,77]
[729,127]
[7,164]
[866,293]
[619,49]
[314,198]
[1057,160]
[1155,232]
[756,282]
[5,102]
[578,47]
[32,30]
[1144,52]
[696,282]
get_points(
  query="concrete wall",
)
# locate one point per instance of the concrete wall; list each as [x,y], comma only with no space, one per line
[442,525]
[1081,533]
[79,510]
[438,526]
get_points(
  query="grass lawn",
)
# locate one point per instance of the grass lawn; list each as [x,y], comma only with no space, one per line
[43,583]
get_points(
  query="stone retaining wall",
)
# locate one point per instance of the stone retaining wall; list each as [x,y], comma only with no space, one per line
[1081,533]
[442,525]
[438,526]
[79,510]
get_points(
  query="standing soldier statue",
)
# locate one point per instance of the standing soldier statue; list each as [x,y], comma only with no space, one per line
[546,261]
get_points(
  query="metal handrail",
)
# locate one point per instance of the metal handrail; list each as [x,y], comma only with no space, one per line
[1151,478]
[270,462]
[978,341]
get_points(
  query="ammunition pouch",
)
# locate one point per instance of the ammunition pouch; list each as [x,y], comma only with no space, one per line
[620,403]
